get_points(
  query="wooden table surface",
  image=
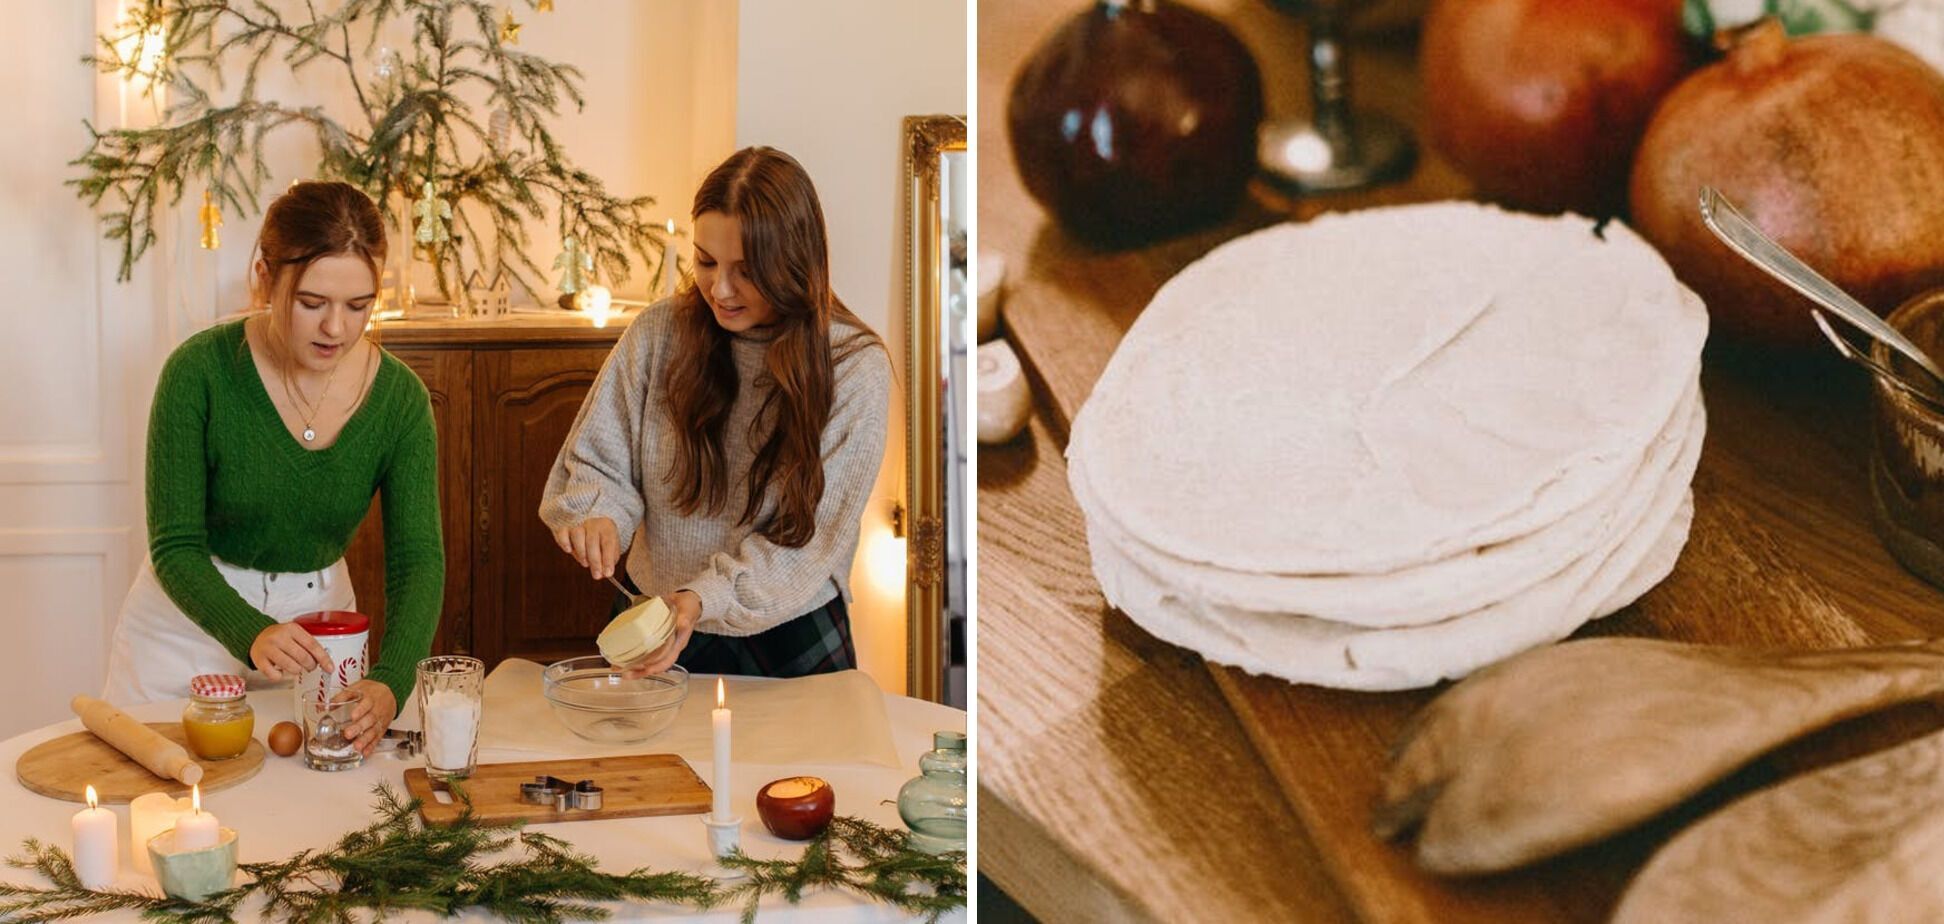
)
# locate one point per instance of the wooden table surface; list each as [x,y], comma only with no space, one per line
[1121,775]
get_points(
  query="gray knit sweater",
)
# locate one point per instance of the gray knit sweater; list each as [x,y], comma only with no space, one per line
[613,463]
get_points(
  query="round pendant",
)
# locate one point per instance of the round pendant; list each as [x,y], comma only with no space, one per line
[309,434]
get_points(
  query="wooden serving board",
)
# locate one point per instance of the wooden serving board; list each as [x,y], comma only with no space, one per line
[1781,554]
[64,767]
[632,786]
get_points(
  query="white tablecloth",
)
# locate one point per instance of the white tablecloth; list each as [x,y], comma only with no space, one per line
[287,808]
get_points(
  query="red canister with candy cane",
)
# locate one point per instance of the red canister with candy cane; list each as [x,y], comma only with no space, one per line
[343,635]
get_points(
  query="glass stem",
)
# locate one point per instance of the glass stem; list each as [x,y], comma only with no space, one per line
[1330,81]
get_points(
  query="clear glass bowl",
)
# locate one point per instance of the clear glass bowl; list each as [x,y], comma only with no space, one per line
[595,702]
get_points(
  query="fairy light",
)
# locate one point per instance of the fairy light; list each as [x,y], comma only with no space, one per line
[596,301]
[141,48]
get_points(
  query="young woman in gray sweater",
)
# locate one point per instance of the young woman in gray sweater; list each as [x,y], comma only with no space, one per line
[730,443]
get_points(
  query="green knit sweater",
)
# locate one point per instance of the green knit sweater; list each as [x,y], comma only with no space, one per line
[226,478]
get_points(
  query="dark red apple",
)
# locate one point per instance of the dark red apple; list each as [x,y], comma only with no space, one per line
[796,808]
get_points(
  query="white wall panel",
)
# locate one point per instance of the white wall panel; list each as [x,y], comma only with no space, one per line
[60,589]
[62,416]
[78,355]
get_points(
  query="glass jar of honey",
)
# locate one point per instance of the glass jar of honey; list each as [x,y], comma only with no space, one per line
[219,721]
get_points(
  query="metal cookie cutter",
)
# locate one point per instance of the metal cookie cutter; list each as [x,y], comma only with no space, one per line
[402,744]
[546,790]
[560,794]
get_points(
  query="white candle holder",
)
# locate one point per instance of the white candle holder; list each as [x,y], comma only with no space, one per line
[725,836]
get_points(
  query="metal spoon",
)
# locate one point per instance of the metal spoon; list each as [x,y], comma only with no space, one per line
[1886,375]
[625,592]
[1744,238]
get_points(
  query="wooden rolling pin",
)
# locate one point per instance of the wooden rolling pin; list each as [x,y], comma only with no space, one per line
[162,757]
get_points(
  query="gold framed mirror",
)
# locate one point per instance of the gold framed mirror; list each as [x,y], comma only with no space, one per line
[936,213]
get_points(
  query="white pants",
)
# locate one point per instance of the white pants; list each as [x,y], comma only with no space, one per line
[157,648]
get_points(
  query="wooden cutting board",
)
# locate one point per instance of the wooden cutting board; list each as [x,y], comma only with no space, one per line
[64,767]
[632,786]
[1781,554]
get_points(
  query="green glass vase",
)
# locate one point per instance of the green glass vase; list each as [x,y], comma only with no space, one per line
[933,802]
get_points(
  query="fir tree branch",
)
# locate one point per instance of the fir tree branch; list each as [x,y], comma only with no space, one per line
[416,126]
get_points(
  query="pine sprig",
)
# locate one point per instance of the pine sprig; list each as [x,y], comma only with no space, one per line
[70,899]
[410,126]
[857,856]
[398,863]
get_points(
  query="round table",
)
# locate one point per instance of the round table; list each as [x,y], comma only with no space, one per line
[286,808]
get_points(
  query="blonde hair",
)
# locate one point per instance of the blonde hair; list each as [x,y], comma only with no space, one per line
[310,221]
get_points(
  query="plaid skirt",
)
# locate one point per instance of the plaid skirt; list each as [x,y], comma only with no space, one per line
[816,642]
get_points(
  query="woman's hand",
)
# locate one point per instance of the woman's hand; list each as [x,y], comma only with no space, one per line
[287,650]
[373,714]
[594,542]
[687,609]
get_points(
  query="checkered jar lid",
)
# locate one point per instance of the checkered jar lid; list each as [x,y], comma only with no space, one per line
[216,686]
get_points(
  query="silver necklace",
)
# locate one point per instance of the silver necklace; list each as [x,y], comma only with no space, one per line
[310,433]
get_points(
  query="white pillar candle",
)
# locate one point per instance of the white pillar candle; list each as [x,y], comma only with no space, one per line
[671,267]
[151,814]
[719,809]
[451,722]
[992,282]
[197,829]
[95,844]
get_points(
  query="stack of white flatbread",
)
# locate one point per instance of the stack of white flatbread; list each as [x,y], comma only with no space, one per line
[1389,447]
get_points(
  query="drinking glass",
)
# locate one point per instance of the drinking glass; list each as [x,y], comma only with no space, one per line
[326,746]
[450,691]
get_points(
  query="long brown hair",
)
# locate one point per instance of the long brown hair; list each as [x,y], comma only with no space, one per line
[311,220]
[786,249]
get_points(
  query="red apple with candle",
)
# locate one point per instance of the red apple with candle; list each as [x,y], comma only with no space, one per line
[796,808]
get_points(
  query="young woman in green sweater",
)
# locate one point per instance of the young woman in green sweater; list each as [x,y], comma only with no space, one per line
[730,443]
[267,440]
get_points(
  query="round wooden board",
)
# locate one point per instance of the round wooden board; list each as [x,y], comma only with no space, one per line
[64,767]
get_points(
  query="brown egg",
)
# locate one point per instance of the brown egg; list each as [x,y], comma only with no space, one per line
[285,737]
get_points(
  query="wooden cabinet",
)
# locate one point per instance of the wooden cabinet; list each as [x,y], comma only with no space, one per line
[504,394]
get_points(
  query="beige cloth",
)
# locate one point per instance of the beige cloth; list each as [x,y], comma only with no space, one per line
[835,718]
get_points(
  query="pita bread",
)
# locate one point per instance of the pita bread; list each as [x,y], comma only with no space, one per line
[1387,389]
[1414,596]
[1307,650]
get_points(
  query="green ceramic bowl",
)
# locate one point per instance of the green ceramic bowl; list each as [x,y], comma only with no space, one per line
[193,875]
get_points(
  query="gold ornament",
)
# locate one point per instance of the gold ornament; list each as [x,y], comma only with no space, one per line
[434,213]
[544,6]
[212,219]
[509,30]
